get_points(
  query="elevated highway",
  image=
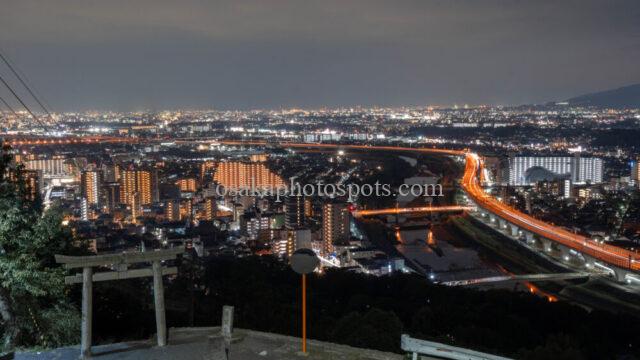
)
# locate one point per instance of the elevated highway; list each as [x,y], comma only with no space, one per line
[620,259]
[412,210]
[527,277]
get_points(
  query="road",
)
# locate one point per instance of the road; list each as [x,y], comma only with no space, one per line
[527,277]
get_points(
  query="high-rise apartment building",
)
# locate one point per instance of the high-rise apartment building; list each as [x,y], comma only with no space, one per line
[136,206]
[55,166]
[258,157]
[235,175]
[294,214]
[140,182]
[257,226]
[111,197]
[110,172]
[297,239]
[172,210]
[90,186]
[84,209]
[128,186]
[635,171]
[335,225]
[308,207]
[186,209]
[527,170]
[117,172]
[209,208]
[567,192]
[34,183]
[206,169]
[187,184]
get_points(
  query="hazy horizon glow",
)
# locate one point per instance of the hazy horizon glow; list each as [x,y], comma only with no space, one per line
[238,54]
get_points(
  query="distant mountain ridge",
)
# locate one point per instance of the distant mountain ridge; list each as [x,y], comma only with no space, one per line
[623,97]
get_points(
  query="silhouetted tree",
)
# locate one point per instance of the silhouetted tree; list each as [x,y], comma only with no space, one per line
[382,328]
[557,347]
[32,305]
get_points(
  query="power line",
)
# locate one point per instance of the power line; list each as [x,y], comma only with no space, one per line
[28,81]
[22,102]
[8,106]
[24,83]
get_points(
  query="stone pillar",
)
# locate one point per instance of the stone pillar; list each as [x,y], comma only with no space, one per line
[565,252]
[620,274]
[158,297]
[514,231]
[589,261]
[546,244]
[220,344]
[503,224]
[227,322]
[530,239]
[87,312]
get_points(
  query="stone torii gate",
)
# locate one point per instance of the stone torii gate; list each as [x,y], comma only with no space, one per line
[120,263]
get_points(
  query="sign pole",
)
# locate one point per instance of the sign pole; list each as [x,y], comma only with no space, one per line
[304,313]
[304,261]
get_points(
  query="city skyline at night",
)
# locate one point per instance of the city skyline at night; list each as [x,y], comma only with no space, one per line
[281,179]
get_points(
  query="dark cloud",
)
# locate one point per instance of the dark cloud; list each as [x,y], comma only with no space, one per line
[266,54]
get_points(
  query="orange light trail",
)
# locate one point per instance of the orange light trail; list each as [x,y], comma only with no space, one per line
[411,210]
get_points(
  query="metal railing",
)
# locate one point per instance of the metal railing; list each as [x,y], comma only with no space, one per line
[429,348]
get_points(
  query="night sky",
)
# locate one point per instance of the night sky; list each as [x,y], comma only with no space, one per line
[237,54]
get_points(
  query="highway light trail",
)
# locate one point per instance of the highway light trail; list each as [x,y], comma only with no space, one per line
[411,210]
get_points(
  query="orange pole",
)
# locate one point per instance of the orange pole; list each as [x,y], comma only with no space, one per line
[304,313]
